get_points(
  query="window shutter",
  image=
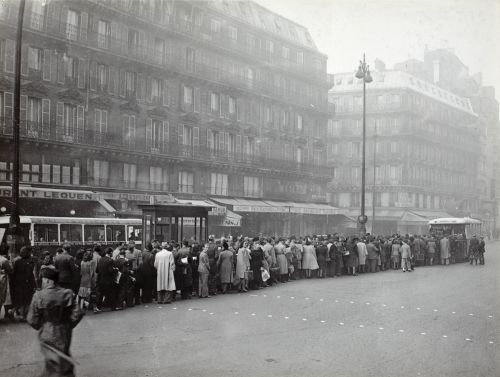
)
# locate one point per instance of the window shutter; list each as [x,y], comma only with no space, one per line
[197,100]
[115,36]
[8,104]
[24,59]
[238,144]
[76,175]
[10,48]
[142,45]
[60,69]
[165,93]
[81,73]
[149,134]
[180,134]
[45,118]
[138,92]
[122,83]
[196,136]
[23,105]
[84,19]
[112,80]
[79,123]
[63,18]
[93,75]
[54,10]
[46,65]
[148,89]
[60,116]
[239,109]
[53,66]
[166,136]
[221,140]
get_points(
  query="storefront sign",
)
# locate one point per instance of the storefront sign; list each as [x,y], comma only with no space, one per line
[262,209]
[49,194]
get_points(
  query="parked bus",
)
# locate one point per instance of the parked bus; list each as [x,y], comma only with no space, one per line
[459,230]
[50,232]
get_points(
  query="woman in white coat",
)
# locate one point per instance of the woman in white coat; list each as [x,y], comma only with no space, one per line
[309,261]
[165,267]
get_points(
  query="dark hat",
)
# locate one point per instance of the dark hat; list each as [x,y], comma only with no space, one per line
[49,272]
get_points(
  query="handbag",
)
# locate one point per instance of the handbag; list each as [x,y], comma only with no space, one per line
[265,275]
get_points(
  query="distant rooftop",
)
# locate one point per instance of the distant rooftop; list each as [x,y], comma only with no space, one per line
[265,19]
[346,82]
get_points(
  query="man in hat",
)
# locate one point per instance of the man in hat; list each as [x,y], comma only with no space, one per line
[54,312]
[106,285]
[213,256]
[65,264]
[134,257]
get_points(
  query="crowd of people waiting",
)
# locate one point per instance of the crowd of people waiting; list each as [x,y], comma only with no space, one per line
[125,276]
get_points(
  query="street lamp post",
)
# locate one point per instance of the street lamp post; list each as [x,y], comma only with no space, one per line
[363,73]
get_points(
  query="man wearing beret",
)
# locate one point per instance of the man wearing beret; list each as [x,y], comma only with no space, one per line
[54,312]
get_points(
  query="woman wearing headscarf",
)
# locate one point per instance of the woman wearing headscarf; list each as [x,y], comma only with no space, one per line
[225,266]
[87,279]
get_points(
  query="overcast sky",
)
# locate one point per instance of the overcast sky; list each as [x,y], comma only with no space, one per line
[394,30]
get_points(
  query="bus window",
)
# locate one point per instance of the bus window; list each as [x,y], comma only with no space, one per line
[94,233]
[45,233]
[135,233]
[71,232]
[115,233]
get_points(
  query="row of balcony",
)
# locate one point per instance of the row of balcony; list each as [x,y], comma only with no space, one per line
[142,52]
[115,141]
[175,24]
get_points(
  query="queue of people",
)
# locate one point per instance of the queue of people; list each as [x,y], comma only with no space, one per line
[116,278]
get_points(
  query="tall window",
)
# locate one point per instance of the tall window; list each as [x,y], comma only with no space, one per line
[251,186]
[300,58]
[128,129]
[102,77]
[72,25]
[232,105]
[190,59]
[156,90]
[233,33]
[101,122]
[186,182]
[129,175]
[101,172]
[299,122]
[70,119]
[285,52]
[215,102]
[157,179]
[33,116]
[218,184]
[214,26]
[159,133]
[35,58]
[70,67]
[130,82]
[133,41]
[38,12]
[188,96]
[103,34]
[159,50]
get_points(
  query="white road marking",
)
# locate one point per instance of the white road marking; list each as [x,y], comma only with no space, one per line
[204,310]
[307,298]
[445,336]
[304,319]
[367,303]
[285,317]
[292,297]
[270,316]
[468,339]
[341,323]
[490,316]
[320,299]
[264,295]
[278,296]
[236,313]
[453,312]
[471,314]
[435,310]
[418,308]
[336,300]
[380,328]
[490,342]
[253,295]
[384,305]
[174,308]
[422,333]
[253,314]
[190,309]
[211,313]
[401,331]
[402,307]
[323,321]
[361,326]
[351,302]
[146,306]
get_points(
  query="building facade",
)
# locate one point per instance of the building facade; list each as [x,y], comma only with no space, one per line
[135,100]
[422,151]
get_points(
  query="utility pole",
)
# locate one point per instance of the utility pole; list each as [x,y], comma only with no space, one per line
[14,223]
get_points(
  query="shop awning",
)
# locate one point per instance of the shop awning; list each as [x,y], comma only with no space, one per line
[249,205]
[380,214]
[230,219]
[270,206]
[429,215]
[216,209]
